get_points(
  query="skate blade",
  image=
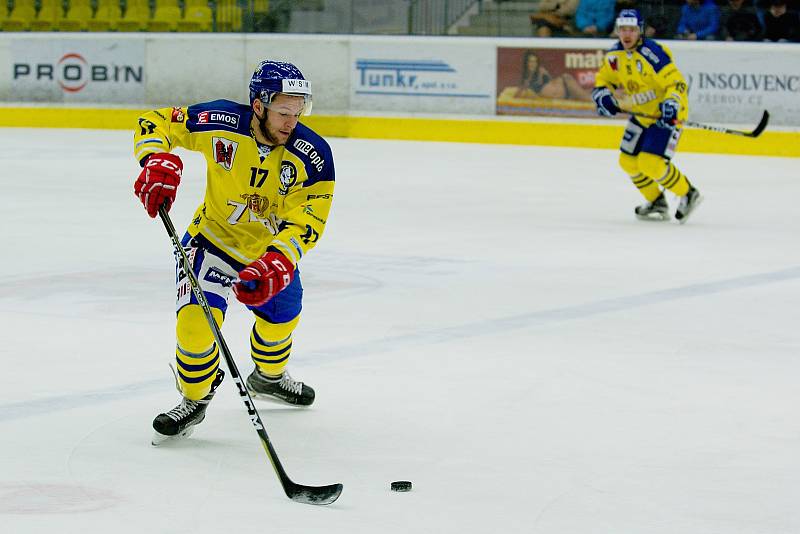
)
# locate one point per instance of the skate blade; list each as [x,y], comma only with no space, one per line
[653,217]
[160,439]
[696,204]
[275,398]
[267,396]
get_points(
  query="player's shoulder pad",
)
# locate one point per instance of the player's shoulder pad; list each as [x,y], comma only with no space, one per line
[219,115]
[314,152]
[655,54]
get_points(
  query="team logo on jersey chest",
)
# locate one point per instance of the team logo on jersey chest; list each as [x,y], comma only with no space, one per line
[224,151]
[612,62]
[288,177]
[256,203]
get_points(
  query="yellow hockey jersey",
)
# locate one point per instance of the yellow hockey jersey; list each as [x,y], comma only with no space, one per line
[648,75]
[256,198]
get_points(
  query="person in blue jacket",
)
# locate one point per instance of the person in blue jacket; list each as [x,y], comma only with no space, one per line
[595,18]
[700,19]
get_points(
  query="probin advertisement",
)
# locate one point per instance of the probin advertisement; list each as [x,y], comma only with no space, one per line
[78,70]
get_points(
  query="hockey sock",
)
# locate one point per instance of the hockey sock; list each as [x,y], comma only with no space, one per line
[647,186]
[664,172]
[271,345]
[675,181]
[641,179]
[196,371]
[196,354]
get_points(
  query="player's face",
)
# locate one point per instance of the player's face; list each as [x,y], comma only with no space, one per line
[279,118]
[628,36]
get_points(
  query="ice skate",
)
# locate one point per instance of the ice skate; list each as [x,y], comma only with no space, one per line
[657,210]
[687,205]
[179,422]
[283,387]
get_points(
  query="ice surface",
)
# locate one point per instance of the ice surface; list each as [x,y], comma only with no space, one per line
[489,322]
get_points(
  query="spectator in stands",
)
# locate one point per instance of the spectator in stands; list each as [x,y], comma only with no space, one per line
[537,81]
[780,24]
[660,17]
[595,18]
[699,20]
[740,22]
[273,16]
[554,18]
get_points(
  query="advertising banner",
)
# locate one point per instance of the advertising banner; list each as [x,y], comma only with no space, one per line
[730,83]
[413,76]
[735,86]
[78,70]
[547,81]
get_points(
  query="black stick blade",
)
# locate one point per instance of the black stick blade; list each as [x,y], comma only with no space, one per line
[314,494]
[761,125]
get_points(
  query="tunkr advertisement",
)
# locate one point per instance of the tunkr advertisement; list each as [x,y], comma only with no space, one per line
[419,77]
[736,86]
[73,70]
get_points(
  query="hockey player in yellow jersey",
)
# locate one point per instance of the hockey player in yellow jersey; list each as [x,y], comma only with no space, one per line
[269,187]
[645,70]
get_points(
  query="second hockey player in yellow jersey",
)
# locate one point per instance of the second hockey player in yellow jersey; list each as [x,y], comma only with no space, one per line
[269,187]
[644,69]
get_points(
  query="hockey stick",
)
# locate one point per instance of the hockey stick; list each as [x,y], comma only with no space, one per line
[296,492]
[762,124]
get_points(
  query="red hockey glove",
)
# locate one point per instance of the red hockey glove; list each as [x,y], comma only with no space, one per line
[263,279]
[158,181]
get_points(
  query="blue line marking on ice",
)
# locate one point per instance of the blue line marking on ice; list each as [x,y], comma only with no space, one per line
[32,408]
[555,315]
[48,405]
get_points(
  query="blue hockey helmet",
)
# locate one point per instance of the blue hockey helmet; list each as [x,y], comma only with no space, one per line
[273,77]
[630,17]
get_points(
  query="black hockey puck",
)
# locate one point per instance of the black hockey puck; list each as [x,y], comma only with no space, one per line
[400,485]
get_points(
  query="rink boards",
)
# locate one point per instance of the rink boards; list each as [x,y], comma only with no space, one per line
[779,141]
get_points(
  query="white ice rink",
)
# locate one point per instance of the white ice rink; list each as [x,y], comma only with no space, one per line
[489,322]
